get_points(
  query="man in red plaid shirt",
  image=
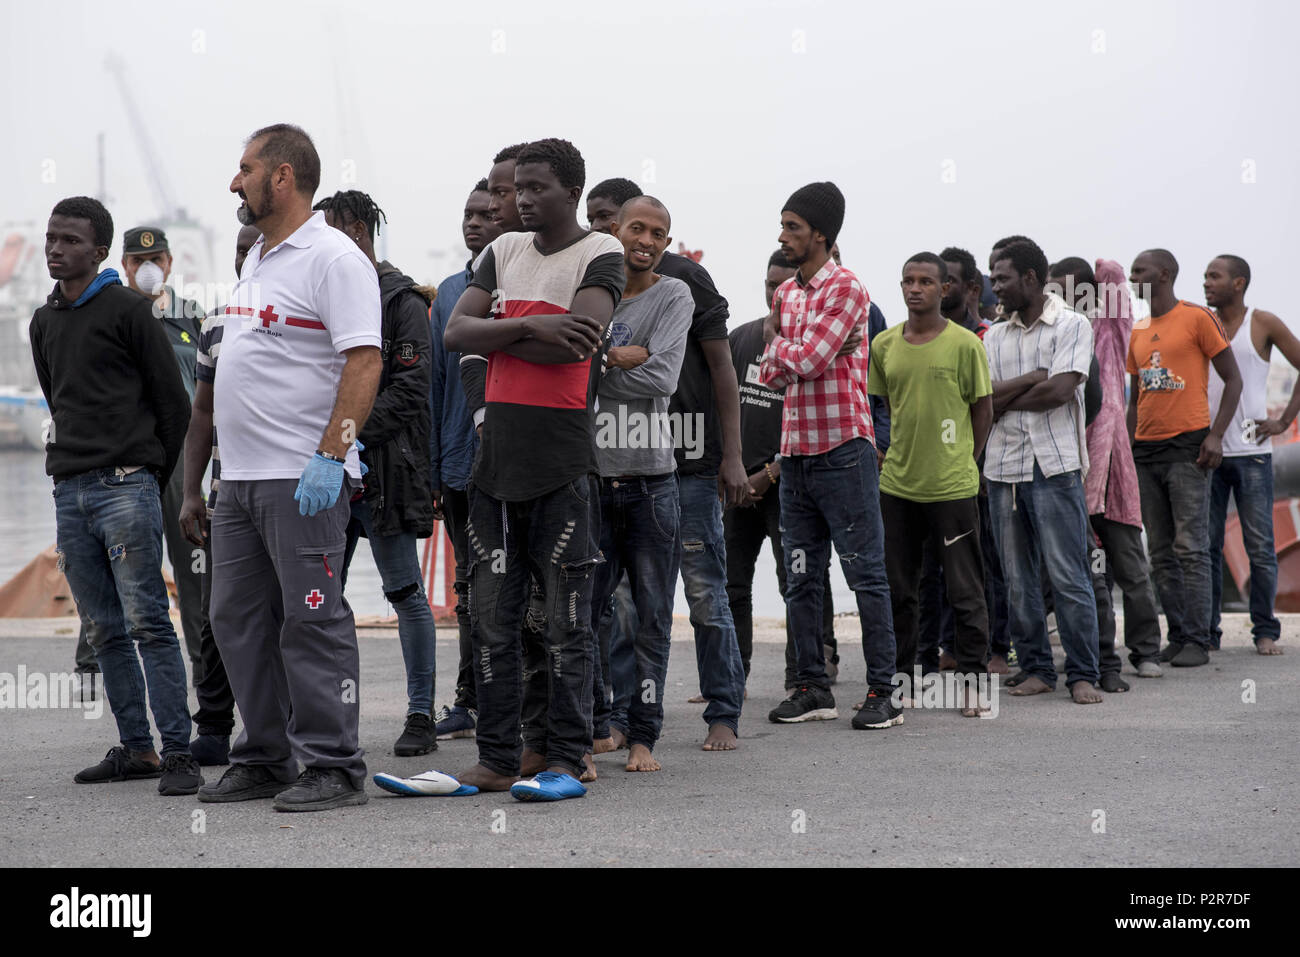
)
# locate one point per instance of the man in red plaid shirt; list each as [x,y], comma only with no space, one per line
[829,491]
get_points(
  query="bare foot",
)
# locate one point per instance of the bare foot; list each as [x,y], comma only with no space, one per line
[1267,646]
[530,763]
[619,739]
[696,699]
[1030,685]
[589,772]
[721,738]
[1083,692]
[998,666]
[973,708]
[640,759]
[947,662]
[486,779]
[602,745]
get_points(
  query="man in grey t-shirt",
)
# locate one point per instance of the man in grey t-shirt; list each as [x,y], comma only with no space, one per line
[635,441]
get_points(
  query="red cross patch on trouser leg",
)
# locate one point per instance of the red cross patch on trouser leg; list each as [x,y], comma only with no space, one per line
[311,577]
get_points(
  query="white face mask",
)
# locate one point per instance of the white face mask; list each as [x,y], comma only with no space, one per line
[149,278]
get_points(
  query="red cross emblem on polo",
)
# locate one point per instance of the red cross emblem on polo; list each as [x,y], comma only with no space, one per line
[314,598]
[268,315]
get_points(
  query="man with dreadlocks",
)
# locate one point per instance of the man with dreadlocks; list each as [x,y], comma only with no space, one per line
[396,505]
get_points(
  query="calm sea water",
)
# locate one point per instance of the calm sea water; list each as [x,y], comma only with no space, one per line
[27,528]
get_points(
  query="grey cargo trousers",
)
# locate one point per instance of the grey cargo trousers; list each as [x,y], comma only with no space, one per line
[284,629]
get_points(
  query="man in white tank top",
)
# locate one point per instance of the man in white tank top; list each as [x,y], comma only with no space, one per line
[1246,471]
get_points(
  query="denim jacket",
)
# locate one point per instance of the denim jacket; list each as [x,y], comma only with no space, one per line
[453,438]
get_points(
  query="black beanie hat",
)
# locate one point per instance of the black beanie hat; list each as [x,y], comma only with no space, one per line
[822,206]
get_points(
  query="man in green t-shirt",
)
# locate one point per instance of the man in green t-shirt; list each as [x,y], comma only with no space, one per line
[935,376]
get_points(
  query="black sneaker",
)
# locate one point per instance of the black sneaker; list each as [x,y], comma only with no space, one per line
[319,789]
[118,765]
[243,782]
[417,737]
[180,774]
[1170,651]
[211,750]
[1190,656]
[805,704]
[455,722]
[878,711]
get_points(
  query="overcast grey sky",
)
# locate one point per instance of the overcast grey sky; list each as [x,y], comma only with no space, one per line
[1097,129]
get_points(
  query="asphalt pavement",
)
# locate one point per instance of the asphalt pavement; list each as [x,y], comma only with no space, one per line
[1197,768]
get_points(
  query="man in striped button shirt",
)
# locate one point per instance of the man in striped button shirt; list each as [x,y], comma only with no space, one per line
[829,487]
[216,715]
[1036,459]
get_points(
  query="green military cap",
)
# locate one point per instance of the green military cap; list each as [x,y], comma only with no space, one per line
[144,239]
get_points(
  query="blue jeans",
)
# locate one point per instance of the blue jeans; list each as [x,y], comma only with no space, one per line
[835,497]
[1249,479]
[638,533]
[704,579]
[110,535]
[746,530]
[399,571]
[1045,522]
[618,623]
[1176,516]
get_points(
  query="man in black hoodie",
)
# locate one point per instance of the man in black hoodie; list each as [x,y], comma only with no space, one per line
[396,506]
[119,414]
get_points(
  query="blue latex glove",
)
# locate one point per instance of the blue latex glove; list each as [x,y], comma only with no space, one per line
[365,469]
[319,487]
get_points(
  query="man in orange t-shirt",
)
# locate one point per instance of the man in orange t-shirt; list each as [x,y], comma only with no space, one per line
[1176,446]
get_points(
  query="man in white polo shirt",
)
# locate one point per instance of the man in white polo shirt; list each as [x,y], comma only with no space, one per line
[300,365]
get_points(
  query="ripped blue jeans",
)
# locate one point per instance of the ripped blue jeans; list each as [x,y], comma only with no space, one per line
[704,580]
[110,538]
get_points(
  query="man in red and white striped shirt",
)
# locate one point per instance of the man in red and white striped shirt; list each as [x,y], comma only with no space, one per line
[829,491]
